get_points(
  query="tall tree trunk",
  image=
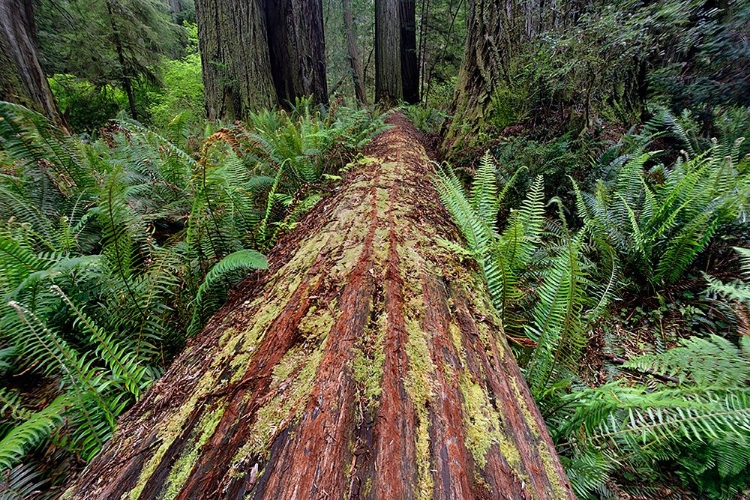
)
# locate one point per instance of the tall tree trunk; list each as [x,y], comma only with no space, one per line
[127,81]
[422,50]
[388,82]
[483,64]
[409,63]
[297,49]
[355,61]
[22,80]
[368,363]
[235,59]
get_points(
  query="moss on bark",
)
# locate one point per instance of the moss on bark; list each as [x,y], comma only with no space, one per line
[367,363]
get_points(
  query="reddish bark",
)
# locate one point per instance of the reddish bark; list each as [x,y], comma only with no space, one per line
[415,395]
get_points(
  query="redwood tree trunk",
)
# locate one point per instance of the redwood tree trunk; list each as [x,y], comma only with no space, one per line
[409,64]
[235,59]
[22,80]
[368,363]
[297,49]
[354,58]
[483,64]
[388,82]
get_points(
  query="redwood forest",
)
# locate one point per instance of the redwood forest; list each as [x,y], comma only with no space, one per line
[374,249]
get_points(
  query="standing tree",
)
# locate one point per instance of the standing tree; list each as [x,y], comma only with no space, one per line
[355,61]
[260,53]
[396,66]
[21,77]
[409,63]
[388,80]
[297,49]
[483,64]
[235,58]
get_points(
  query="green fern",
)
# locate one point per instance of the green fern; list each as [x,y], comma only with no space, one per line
[739,291]
[558,314]
[21,482]
[32,432]
[703,423]
[205,302]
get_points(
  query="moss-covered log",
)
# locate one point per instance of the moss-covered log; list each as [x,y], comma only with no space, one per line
[367,363]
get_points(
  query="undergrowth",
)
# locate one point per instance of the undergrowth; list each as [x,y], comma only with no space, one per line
[640,232]
[112,253]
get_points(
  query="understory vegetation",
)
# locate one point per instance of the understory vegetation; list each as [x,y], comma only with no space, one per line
[114,252]
[638,358]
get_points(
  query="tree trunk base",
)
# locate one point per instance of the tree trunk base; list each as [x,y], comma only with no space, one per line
[367,363]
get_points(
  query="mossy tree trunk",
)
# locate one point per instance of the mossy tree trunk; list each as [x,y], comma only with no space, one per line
[483,65]
[355,60]
[22,80]
[367,363]
[235,59]
[297,49]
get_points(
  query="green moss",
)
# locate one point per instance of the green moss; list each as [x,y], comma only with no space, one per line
[482,426]
[182,468]
[544,453]
[419,388]
[367,367]
[292,393]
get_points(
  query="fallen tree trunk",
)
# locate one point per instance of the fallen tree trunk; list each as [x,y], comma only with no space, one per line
[367,363]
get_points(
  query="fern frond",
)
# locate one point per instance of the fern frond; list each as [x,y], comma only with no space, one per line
[710,363]
[38,427]
[242,260]
[484,191]
[120,358]
[21,482]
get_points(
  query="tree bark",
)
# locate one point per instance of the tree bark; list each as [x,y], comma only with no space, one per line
[297,49]
[355,61]
[388,82]
[367,363]
[483,64]
[22,80]
[409,63]
[175,8]
[235,57]
[127,81]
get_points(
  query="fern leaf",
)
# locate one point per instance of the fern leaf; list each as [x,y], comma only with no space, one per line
[204,301]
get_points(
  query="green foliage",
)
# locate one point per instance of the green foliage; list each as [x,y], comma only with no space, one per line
[180,103]
[659,221]
[425,118]
[205,302]
[87,107]
[111,253]
[21,482]
[524,256]
[739,291]
[701,425]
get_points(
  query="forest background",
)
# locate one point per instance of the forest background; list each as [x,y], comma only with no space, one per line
[597,171]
